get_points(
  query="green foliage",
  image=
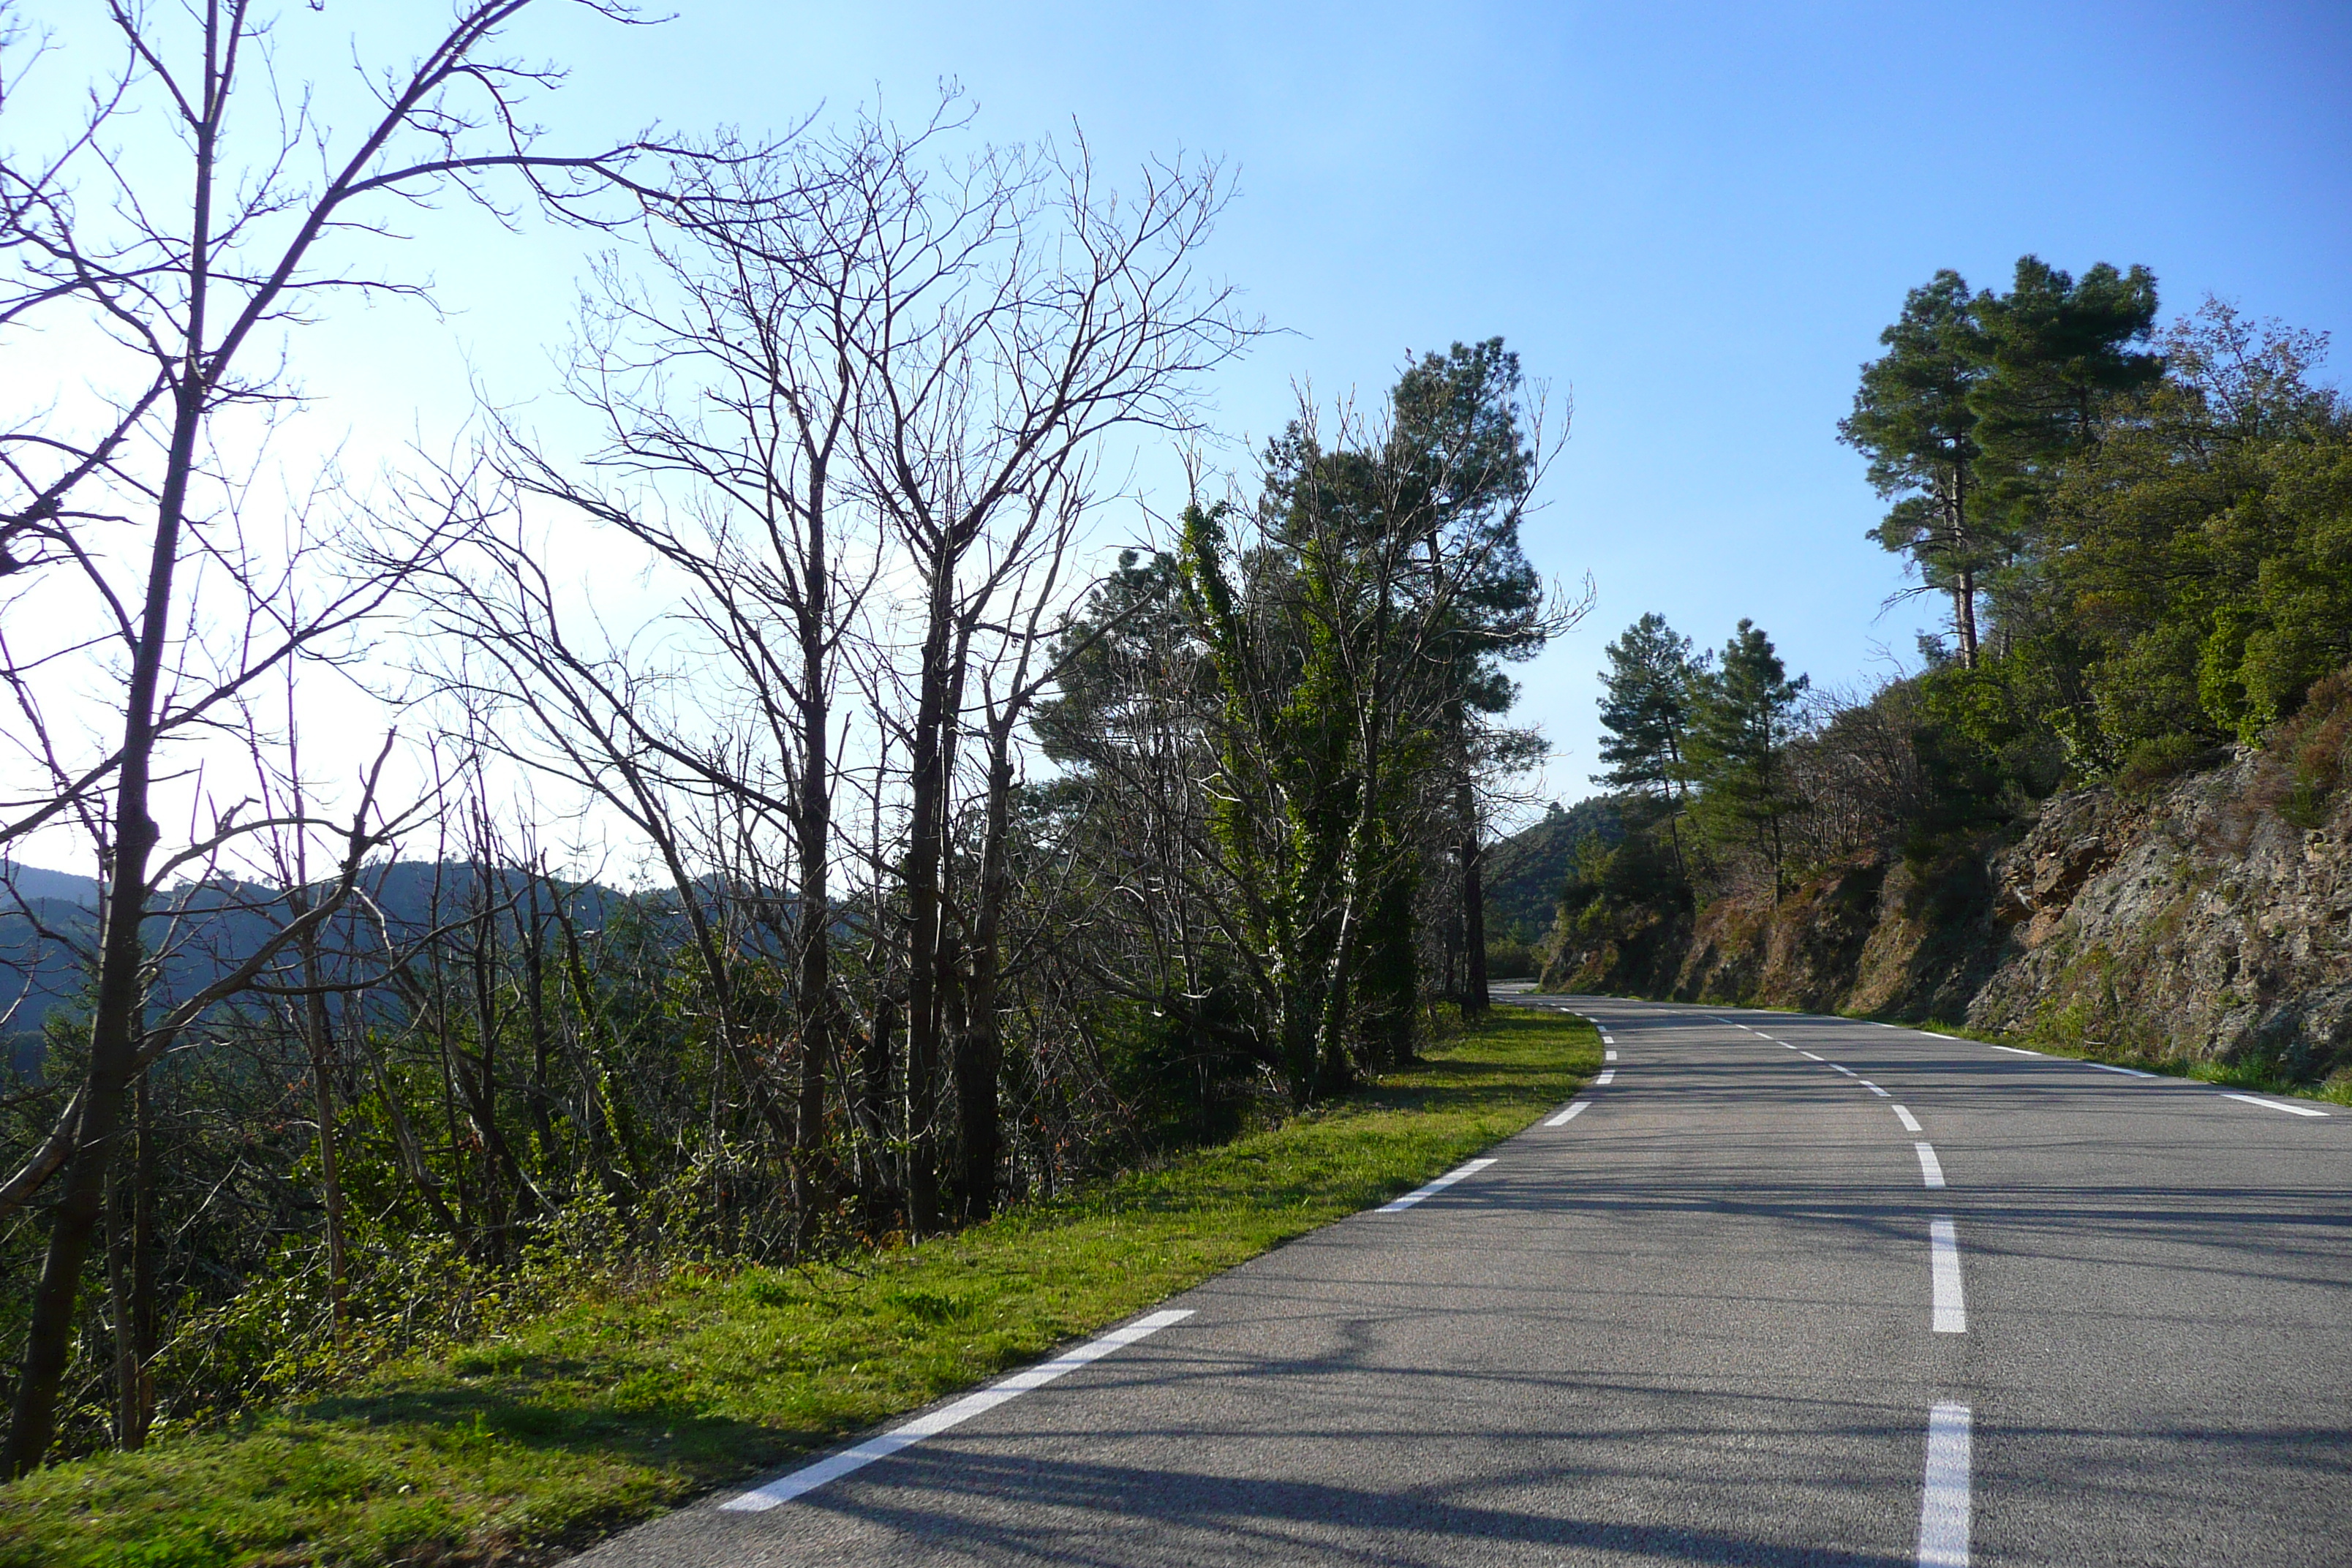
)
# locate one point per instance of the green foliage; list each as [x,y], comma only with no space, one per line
[2165,531]
[2057,355]
[1744,721]
[1524,873]
[1634,877]
[1648,692]
[1914,419]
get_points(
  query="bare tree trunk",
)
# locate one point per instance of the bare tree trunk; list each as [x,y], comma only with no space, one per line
[121,982]
[145,1308]
[812,832]
[927,801]
[533,936]
[1964,612]
[980,1055]
[317,1037]
[119,1293]
[875,1092]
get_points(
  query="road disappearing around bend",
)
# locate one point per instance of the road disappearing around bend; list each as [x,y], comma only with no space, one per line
[1774,1289]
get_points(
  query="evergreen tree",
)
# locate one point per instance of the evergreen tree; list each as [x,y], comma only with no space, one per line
[1913,418]
[1646,706]
[1745,718]
[2056,350]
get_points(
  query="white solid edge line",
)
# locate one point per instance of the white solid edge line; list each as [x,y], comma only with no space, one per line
[808,1478]
[1604,1079]
[1565,1117]
[2127,1072]
[1439,1186]
[1910,1123]
[2276,1105]
[1931,1170]
[1944,1268]
[1876,1089]
[2013,1050]
[1944,1497]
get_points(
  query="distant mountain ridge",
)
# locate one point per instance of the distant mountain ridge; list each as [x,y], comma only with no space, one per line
[214,925]
[33,882]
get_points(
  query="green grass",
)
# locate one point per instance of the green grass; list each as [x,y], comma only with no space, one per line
[608,1410]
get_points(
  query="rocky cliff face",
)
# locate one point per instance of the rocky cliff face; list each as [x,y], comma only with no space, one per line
[2199,923]
[2195,921]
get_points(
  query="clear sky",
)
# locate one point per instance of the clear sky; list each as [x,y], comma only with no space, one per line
[1693,218]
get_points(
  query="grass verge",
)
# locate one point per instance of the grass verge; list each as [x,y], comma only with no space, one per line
[608,1410]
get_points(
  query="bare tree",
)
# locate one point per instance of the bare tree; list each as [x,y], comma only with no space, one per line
[1040,314]
[191,261]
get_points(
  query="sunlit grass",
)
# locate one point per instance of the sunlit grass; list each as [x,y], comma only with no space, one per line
[605,1411]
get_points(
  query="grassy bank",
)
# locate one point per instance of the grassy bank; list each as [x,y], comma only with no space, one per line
[610,1410]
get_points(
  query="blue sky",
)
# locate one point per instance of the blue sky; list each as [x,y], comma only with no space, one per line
[1694,219]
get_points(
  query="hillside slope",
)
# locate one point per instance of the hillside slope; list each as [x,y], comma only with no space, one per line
[2208,920]
[1523,873]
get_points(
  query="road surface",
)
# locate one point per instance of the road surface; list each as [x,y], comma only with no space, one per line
[1775,1290]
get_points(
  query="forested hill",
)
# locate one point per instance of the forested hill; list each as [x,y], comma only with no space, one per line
[1524,873]
[201,931]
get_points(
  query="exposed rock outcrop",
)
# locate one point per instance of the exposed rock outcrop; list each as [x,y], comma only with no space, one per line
[2199,923]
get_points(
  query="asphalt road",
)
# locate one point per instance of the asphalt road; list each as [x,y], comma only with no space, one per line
[1723,1313]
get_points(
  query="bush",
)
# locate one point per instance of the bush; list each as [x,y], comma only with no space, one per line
[2313,745]
[2152,764]
[1508,958]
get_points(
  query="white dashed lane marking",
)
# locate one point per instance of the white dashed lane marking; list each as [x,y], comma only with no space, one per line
[784,1488]
[1944,1500]
[1439,1186]
[1931,1170]
[2276,1105]
[1944,1267]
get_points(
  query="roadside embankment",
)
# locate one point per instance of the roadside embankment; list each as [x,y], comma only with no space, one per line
[2202,924]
